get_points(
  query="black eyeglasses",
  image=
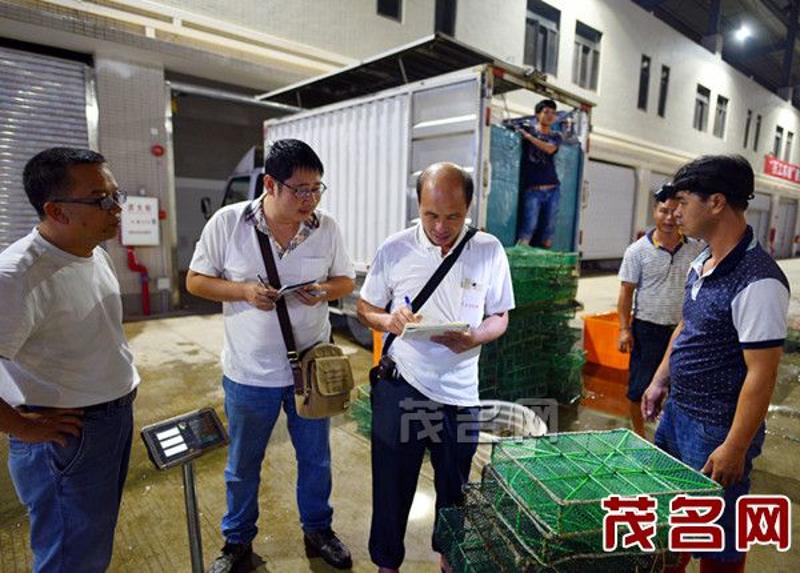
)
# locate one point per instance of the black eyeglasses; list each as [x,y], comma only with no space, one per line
[306,192]
[106,202]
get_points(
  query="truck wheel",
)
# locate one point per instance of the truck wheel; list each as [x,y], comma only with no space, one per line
[360,333]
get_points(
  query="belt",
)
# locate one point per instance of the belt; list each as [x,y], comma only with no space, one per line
[546,187]
[102,407]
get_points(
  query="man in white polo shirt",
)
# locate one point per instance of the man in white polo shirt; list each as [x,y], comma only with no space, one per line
[227,266]
[430,399]
[652,278]
[65,365]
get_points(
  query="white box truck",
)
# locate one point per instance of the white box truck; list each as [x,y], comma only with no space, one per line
[378,124]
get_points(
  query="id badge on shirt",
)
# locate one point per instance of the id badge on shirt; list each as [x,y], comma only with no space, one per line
[473,300]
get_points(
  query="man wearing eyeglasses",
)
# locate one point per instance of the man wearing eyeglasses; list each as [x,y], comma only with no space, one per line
[228,267]
[67,380]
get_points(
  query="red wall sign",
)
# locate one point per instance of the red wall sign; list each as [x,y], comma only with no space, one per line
[777,168]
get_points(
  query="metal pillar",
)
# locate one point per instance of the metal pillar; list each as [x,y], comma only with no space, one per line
[192,518]
[788,53]
[712,40]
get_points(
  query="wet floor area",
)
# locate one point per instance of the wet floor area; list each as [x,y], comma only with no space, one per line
[179,364]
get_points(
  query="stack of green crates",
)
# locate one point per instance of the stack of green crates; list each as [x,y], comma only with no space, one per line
[536,357]
[538,505]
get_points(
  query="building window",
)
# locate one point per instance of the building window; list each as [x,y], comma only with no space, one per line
[644,83]
[701,103]
[541,37]
[721,117]
[758,133]
[586,62]
[445,17]
[776,145]
[391,9]
[662,91]
[787,151]
[747,127]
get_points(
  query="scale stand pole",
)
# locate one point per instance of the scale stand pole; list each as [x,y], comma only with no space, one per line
[192,518]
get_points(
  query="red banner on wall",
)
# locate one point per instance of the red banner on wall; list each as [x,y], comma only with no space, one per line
[777,168]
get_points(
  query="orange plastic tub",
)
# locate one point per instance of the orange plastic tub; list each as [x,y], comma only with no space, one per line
[600,334]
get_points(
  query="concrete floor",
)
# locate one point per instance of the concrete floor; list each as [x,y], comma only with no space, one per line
[178,361]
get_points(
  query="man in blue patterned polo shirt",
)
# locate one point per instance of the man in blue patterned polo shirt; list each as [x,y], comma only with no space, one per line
[721,366]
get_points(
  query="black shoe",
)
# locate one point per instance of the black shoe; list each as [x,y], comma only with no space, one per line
[233,556]
[325,544]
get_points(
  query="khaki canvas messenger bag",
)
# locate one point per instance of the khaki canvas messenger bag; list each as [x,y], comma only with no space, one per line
[323,377]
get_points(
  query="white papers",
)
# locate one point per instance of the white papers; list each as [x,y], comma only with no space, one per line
[414,331]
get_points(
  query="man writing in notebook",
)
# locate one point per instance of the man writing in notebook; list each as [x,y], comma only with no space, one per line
[436,379]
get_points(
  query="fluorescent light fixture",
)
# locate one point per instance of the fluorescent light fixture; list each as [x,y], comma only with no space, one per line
[742,33]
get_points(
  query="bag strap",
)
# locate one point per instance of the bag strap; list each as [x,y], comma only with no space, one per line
[283,313]
[433,282]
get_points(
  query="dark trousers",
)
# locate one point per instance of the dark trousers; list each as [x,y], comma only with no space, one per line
[650,342]
[404,424]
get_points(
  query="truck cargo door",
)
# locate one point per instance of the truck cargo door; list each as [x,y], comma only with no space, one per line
[445,126]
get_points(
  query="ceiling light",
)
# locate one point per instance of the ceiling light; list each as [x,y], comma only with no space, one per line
[742,33]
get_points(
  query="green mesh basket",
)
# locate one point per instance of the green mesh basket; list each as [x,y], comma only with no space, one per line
[479,538]
[474,540]
[542,276]
[360,409]
[562,478]
[530,256]
[534,535]
[527,373]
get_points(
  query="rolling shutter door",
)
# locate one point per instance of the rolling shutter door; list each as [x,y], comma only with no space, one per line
[43,103]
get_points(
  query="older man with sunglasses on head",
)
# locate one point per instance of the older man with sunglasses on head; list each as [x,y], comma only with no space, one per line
[228,266]
[65,365]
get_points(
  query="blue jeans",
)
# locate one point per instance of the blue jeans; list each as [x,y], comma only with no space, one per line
[72,493]
[692,441]
[252,412]
[539,214]
[404,424]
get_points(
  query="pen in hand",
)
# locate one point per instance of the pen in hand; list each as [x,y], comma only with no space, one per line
[410,307]
[265,284]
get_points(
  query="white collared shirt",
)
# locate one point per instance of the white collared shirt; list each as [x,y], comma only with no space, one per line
[254,352]
[478,285]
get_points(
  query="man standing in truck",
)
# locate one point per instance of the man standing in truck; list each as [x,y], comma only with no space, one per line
[540,189]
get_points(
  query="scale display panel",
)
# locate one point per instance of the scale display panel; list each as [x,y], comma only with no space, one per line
[176,441]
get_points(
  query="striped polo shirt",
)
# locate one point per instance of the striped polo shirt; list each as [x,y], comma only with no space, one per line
[738,305]
[659,276]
